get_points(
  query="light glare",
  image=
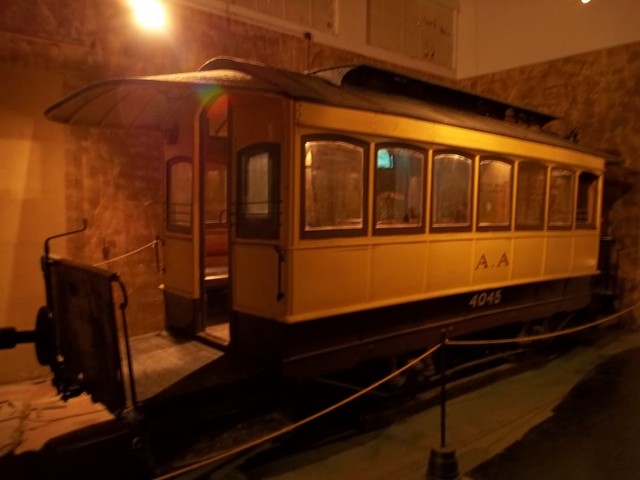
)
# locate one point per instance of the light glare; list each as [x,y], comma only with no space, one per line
[150,14]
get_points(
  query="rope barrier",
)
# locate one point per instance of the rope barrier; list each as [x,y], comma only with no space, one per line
[543,336]
[304,421]
[150,244]
[278,433]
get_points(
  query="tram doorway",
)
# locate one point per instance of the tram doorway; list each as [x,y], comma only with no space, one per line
[216,285]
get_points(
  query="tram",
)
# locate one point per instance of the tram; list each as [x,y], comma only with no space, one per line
[317,221]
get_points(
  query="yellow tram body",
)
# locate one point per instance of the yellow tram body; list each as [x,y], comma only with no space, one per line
[369,271]
[306,219]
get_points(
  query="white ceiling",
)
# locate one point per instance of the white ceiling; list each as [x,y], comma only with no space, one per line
[496,35]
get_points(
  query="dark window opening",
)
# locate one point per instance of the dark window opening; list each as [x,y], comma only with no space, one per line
[258,192]
[586,206]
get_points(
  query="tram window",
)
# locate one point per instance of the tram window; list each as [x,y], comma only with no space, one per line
[530,196]
[399,186]
[258,192]
[334,186]
[561,198]
[586,206]
[494,194]
[179,194]
[451,192]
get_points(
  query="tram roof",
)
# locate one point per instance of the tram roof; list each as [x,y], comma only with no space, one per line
[148,102]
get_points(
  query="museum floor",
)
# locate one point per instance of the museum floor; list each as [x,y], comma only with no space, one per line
[572,417]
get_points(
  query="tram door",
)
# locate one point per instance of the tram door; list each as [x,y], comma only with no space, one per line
[196,260]
[215,217]
[181,288]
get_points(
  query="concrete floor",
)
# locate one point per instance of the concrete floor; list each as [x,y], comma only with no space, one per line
[481,425]
[31,413]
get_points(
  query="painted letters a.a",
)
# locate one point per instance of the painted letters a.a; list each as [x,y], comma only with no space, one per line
[482,263]
[503,261]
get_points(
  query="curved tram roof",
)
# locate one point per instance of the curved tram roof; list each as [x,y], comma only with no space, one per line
[148,102]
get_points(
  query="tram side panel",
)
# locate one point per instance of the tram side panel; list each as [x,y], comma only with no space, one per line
[586,251]
[398,269]
[528,254]
[346,291]
[559,254]
[259,130]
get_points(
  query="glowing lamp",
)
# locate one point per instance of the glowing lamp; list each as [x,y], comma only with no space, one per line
[149,14]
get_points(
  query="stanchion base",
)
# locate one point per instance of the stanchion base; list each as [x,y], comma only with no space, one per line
[443,464]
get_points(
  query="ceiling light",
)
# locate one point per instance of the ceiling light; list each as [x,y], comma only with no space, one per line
[149,14]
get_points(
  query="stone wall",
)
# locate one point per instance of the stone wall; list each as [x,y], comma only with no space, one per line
[597,96]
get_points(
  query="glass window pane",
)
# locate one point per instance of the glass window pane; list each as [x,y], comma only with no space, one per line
[399,187]
[451,190]
[256,192]
[587,200]
[494,193]
[334,185]
[530,196]
[560,198]
[179,194]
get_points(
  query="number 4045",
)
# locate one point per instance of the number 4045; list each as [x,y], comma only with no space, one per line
[483,299]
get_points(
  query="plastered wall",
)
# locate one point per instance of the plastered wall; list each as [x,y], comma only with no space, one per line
[497,35]
[32,177]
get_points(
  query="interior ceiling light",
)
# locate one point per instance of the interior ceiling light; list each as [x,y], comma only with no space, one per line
[149,14]
[585,1]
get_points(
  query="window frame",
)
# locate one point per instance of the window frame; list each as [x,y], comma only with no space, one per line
[596,185]
[170,164]
[361,231]
[496,227]
[433,228]
[265,227]
[400,230]
[545,194]
[572,198]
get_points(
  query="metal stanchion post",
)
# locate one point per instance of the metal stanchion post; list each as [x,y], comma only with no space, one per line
[443,463]
[443,390]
